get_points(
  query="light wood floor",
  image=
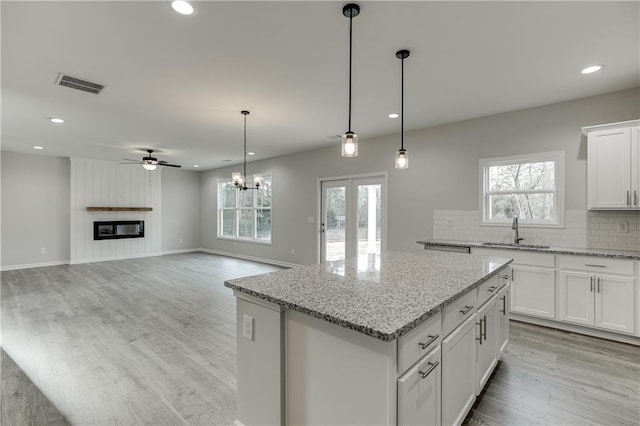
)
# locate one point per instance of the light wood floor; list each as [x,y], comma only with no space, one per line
[152,342]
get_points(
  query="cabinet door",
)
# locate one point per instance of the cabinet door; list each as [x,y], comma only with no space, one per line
[615,303]
[419,392]
[503,319]
[533,291]
[609,169]
[487,343]
[459,372]
[576,295]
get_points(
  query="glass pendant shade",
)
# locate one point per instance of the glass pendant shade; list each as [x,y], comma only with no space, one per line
[257,181]
[149,166]
[349,145]
[236,177]
[402,159]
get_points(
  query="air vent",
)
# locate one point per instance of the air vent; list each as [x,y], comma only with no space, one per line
[79,84]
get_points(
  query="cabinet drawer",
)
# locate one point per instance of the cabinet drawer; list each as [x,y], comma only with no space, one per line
[519,257]
[489,288]
[419,341]
[419,392]
[597,264]
[459,310]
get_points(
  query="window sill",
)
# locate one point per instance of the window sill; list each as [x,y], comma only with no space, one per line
[524,225]
[246,240]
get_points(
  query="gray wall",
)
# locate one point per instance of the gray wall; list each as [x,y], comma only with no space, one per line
[443,172]
[180,209]
[35,209]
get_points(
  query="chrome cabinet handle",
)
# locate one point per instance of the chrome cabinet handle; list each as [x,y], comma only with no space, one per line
[428,342]
[484,333]
[598,286]
[492,289]
[466,310]
[628,198]
[504,277]
[432,366]
[591,284]
[504,305]
[594,265]
[479,338]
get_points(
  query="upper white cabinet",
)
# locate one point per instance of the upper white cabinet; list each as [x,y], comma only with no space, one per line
[613,166]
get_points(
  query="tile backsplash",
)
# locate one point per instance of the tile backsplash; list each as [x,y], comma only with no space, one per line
[583,229]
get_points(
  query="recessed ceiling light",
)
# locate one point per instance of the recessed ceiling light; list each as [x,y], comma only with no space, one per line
[38,147]
[591,69]
[251,153]
[183,7]
[56,120]
[394,115]
[196,166]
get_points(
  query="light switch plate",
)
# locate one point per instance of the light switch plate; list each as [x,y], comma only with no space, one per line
[247,327]
[623,227]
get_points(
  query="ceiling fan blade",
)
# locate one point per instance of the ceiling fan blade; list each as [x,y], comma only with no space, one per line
[162,163]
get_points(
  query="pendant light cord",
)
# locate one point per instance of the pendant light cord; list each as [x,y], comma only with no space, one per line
[350,55]
[402,105]
[244,167]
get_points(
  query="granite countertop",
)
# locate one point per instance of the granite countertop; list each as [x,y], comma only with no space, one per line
[617,254]
[382,296]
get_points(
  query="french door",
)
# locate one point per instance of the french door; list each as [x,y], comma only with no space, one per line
[352,219]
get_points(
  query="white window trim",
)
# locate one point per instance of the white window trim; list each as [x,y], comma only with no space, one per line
[556,156]
[253,240]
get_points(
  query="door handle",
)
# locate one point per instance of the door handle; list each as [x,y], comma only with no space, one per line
[432,366]
[321,227]
[598,286]
[591,284]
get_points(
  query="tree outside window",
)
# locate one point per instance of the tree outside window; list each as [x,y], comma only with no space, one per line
[245,215]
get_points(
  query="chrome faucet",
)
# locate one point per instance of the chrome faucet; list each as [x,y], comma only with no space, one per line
[514,226]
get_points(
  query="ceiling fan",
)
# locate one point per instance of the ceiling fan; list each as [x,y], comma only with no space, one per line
[149,162]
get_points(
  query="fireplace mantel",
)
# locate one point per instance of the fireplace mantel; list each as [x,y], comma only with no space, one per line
[119,209]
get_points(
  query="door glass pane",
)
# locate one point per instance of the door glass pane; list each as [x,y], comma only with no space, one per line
[335,236]
[369,219]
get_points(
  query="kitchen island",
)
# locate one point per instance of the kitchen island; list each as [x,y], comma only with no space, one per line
[405,337]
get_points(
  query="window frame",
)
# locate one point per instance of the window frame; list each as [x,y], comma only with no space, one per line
[236,209]
[559,193]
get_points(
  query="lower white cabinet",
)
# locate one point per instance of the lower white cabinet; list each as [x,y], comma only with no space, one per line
[487,342]
[533,291]
[419,392]
[503,318]
[605,301]
[459,372]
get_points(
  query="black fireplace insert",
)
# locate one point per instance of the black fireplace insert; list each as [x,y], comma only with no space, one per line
[118,229]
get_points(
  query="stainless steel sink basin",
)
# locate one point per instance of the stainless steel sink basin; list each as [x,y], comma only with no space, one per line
[515,245]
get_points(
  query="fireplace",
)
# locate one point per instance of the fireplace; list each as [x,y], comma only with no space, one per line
[118,229]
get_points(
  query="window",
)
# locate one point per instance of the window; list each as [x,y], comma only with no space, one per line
[530,187]
[245,215]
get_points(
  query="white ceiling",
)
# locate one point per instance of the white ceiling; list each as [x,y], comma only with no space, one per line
[178,83]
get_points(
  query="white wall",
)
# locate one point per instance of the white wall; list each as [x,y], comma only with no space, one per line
[443,172]
[35,209]
[180,209]
[97,183]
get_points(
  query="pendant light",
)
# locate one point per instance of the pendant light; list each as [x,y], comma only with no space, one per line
[240,179]
[350,139]
[402,158]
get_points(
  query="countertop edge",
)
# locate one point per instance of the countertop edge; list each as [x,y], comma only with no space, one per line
[552,250]
[385,337]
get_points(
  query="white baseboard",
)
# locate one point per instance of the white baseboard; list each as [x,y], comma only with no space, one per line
[178,251]
[34,265]
[106,259]
[625,338]
[255,259]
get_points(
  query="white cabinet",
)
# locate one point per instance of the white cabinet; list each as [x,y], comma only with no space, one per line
[487,342]
[503,318]
[589,297]
[419,392]
[533,291]
[459,372]
[613,165]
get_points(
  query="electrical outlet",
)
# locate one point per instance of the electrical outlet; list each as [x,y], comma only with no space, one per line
[43,250]
[247,327]
[623,227]
[235,244]
[181,240]
[293,252]
[449,223]
[310,219]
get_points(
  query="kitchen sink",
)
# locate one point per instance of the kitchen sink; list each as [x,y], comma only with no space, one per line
[515,245]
